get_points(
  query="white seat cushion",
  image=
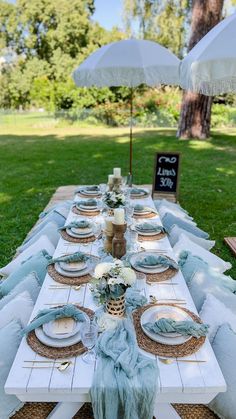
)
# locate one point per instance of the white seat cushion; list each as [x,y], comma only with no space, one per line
[175,234]
[163,209]
[50,230]
[215,313]
[30,284]
[10,337]
[20,308]
[214,261]
[43,243]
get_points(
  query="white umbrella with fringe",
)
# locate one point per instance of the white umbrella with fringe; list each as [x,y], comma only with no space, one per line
[210,67]
[129,63]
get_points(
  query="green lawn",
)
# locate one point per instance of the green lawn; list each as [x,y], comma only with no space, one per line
[37,156]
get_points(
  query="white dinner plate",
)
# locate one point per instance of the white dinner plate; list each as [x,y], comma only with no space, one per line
[143,212]
[48,330]
[85,192]
[78,236]
[138,194]
[147,269]
[74,274]
[88,208]
[154,313]
[147,233]
[56,343]
[73,266]
[81,231]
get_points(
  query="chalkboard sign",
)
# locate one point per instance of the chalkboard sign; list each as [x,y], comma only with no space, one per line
[166,173]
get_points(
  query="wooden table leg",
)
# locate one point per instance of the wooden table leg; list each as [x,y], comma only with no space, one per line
[165,411]
[65,410]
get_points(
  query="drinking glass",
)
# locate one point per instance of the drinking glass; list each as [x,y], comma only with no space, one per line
[132,239]
[89,334]
[127,194]
[96,229]
[100,205]
[129,210]
[140,283]
[124,180]
[103,187]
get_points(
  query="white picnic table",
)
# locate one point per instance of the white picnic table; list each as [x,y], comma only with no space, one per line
[178,382]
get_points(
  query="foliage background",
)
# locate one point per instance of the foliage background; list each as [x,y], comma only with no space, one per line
[42,41]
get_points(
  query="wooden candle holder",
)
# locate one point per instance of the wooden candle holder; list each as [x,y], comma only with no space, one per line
[108,241]
[117,182]
[119,241]
[110,186]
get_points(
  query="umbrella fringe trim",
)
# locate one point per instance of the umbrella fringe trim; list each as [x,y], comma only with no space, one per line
[212,88]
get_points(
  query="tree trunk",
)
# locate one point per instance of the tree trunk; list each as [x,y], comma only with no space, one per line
[195,116]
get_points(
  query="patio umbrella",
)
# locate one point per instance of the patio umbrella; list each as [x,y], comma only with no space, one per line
[210,67]
[129,63]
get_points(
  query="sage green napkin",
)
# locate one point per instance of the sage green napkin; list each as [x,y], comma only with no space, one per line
[74,257]
[150,227]
[91,188]
[134,299]
[91,202]
[185,328]
[49,314]
[140,208]
[138,191]
[152,260]
[76,224]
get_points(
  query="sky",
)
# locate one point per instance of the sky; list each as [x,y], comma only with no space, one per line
[108,13]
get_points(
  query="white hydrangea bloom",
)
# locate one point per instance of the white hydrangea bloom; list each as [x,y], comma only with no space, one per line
[101,269]
[128,275]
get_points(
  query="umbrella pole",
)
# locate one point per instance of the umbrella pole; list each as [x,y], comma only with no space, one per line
[131,138]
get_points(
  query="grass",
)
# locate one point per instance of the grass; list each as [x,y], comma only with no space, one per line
[38,156]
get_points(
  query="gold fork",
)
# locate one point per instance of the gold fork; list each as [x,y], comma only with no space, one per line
[169,361]
[154,300]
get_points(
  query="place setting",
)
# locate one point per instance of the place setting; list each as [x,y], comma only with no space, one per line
[136,193]
[87,207]
[169,330]
[72,269]
[93,191]
[149,231]
[61,332]
[81,231]
[142,211]
[157,267]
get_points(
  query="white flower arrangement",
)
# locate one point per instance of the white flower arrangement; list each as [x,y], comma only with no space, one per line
[114,199]
[111,280]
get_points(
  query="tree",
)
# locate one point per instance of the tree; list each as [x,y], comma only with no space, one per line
[161,21]
[195,117]
[50,38]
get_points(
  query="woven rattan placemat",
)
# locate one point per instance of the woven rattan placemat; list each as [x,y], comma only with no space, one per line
[71,239]
[151,238]
[151,215]
[75,210]
[89,195]
[55,353]
[77,280]
[160,277]
[155,348]
[139,196]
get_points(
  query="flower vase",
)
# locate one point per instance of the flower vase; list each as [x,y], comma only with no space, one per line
[116,307]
